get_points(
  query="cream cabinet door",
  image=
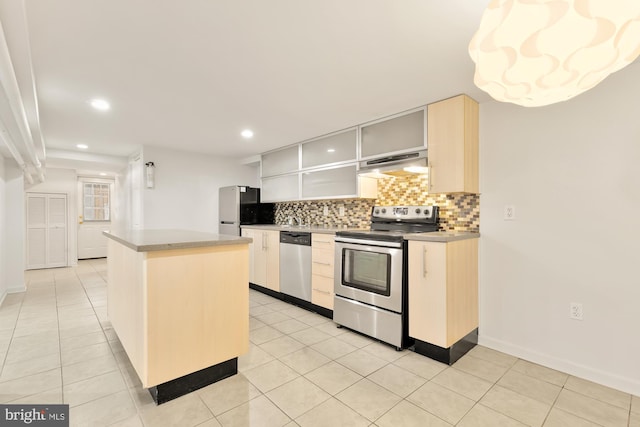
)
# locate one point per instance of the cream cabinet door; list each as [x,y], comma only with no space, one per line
[271,240]
[428,292]
[453,145]
[252,248]
[443,290]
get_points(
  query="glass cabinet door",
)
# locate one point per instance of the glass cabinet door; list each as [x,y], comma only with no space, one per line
[335,148]
[392,135]
[281,161]
[280,188]
[334,182]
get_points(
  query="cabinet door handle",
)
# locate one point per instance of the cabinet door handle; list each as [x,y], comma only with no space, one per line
[264,241]
[322,241]
[321,291]
[424,261]
[429,180]
[321,263]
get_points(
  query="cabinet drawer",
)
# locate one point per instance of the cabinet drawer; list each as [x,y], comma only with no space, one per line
[322,241]
[322,255]
[322,291]
[322,262]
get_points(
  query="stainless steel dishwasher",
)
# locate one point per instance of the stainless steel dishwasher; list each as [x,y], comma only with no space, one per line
[295,264]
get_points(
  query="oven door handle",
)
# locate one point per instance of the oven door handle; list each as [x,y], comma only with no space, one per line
[369,242]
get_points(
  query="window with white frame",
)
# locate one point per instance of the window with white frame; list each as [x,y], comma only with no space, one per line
[96,201]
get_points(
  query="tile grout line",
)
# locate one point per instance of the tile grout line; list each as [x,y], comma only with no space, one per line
[55,291]
[13,333]
[119,367]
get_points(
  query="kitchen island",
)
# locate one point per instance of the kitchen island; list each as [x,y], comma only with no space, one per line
[179,302]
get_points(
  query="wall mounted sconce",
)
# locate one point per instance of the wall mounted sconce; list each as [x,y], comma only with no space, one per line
[150,172]
[540,52]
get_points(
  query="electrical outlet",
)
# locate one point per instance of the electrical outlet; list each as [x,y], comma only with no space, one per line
[340,210]
[509,212]
[325,211]
[575,311]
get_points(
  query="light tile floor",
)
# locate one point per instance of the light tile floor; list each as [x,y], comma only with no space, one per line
[57,346]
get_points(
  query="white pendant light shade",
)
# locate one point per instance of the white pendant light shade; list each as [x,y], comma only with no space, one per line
[538,52]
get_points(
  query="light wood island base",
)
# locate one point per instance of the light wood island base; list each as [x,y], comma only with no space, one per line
[182,315]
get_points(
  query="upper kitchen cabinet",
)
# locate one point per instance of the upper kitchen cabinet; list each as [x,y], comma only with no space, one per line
[280,161]
[399,133]
[453,145]
[280,188]
[342,181]
[335,148]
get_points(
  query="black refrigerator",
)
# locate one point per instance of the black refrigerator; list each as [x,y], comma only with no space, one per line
[240,205]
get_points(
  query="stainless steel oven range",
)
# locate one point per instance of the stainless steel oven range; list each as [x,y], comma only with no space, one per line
[371,272]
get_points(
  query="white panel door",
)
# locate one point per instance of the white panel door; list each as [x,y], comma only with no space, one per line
[91,242]
[57,228]
[46,230]
[36,231]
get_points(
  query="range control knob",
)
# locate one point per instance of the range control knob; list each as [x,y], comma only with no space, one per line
[426,211]
[418,210]
[384,210]
[377,211]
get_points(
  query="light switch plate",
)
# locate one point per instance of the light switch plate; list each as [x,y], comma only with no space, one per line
[340,210]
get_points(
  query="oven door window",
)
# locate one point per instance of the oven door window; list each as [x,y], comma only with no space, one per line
[369,271]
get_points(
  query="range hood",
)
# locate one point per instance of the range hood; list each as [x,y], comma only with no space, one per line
[396,165]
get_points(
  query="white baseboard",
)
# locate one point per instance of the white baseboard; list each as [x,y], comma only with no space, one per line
[608,379]
[2,297]
[16,289]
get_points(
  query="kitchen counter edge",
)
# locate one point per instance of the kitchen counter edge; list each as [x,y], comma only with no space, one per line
[162,240]
[441,236]
[276,227]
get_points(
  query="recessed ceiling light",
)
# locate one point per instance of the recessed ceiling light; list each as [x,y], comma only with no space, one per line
[331,150]
[103,174]
[82,146]
[247,133]
[100,104]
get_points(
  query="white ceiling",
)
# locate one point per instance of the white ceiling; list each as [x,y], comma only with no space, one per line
[192,74]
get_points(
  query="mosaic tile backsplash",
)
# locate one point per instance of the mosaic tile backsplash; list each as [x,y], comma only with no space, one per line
[357,212]
[458,212]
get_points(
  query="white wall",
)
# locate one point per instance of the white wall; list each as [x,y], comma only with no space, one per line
[14,228]
[186,188]
[63,181]
[572,172]
[3,233]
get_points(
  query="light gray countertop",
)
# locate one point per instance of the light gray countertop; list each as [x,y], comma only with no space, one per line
[162,240]
[441,236]
[310,229]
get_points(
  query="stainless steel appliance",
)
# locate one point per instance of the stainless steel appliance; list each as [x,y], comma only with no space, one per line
[295,264]
[371,272]
[240,205]
[396,165]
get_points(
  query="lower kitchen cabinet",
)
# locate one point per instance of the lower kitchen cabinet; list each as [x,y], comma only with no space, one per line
[322,260]
[264,258]
[443,291]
